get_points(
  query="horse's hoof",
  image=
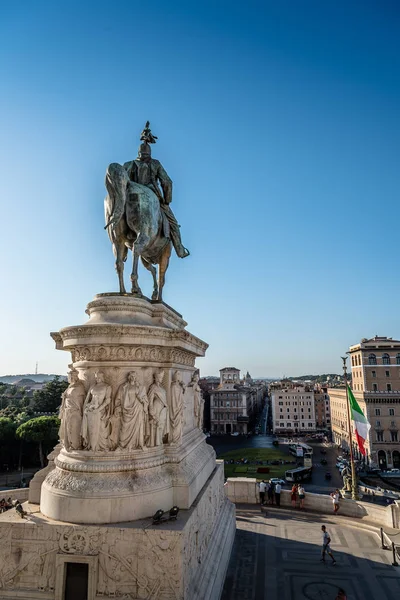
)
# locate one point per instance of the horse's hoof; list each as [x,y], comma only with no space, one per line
[137,293]
[154,296]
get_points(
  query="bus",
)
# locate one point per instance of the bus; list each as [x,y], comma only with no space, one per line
[299,449]
[299,474]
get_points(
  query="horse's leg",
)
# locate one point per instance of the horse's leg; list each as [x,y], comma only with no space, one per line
[153,271]
[162,268]
[138,247]
[120,252]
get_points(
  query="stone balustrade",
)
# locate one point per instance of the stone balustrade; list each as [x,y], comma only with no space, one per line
[243,490]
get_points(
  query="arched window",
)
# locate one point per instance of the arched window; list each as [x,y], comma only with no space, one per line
[352,361]
[385,359]
[372,359]
[398,359]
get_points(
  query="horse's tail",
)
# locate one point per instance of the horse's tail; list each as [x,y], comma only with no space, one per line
[116,182]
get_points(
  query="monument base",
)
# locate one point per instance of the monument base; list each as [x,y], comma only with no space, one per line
[184,559]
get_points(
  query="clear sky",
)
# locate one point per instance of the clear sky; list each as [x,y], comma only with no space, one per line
[279,125]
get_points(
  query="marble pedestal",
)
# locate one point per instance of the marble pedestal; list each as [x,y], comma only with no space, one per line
[123,334]
[96,507]
[185,559]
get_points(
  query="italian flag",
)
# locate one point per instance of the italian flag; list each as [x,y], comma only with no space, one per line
[361,424]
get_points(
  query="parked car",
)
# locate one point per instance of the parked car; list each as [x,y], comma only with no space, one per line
[235,433]
[328,475]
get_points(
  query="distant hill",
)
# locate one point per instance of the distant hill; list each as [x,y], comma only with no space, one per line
[318,378]
[39,378]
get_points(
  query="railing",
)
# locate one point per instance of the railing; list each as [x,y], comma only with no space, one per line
[394,546]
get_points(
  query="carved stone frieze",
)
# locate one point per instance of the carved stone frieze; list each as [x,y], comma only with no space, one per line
[111,482]
[153,354]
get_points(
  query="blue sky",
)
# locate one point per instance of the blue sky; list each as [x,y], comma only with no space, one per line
[279,125]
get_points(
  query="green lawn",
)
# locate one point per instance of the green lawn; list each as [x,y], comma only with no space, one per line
[264,454]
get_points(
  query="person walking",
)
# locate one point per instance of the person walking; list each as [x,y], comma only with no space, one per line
[326,549]
[335,499]
[302,495]
[293,495]
[341,595]
[263,487]
[278,489]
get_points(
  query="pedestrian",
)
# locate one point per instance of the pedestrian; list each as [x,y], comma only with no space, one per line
[278,489]
[270,493]
[302,495]
[341,595]
[263,487]
[335,499]
[326,549]
[293,495]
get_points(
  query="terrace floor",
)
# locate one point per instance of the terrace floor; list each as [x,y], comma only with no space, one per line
[278,556]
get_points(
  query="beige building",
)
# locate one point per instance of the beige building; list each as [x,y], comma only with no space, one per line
[293,407]
[235,403]
[375,368]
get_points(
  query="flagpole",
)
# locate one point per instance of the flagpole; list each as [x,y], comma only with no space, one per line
[354,486]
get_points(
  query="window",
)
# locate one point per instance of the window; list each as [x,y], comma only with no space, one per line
[281,424]
[394,436]
[280,397]
[388,387]
[379,436]
[288,424]
[377,412]
[391,412]
[372,359]
[303,425]
[373,373]
[310,425]
[281,410]
[387,373]
[352,361]
[280,403]
[295,410]
[385,359]
[374,387]
[378,423]
[309,410]
[302,409]
[392,423]
[288,409]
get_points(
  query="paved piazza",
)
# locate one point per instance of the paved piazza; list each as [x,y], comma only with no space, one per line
[278,556]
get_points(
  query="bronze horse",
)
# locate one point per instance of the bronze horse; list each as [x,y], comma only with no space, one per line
[135,221]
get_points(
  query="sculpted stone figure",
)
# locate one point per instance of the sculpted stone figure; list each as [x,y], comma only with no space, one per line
[158,411]
[198,402]
[71,413]
[139,217]
[96,412]
[132,399]
[176,409]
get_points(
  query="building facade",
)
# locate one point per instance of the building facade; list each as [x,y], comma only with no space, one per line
[235,403]
[375,367]
[293,408]
[322,409]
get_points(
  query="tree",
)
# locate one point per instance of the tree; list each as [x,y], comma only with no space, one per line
[7,429]
[48,399]
[41,430]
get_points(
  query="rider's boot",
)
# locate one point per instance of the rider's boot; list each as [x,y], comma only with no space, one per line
[180,249]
